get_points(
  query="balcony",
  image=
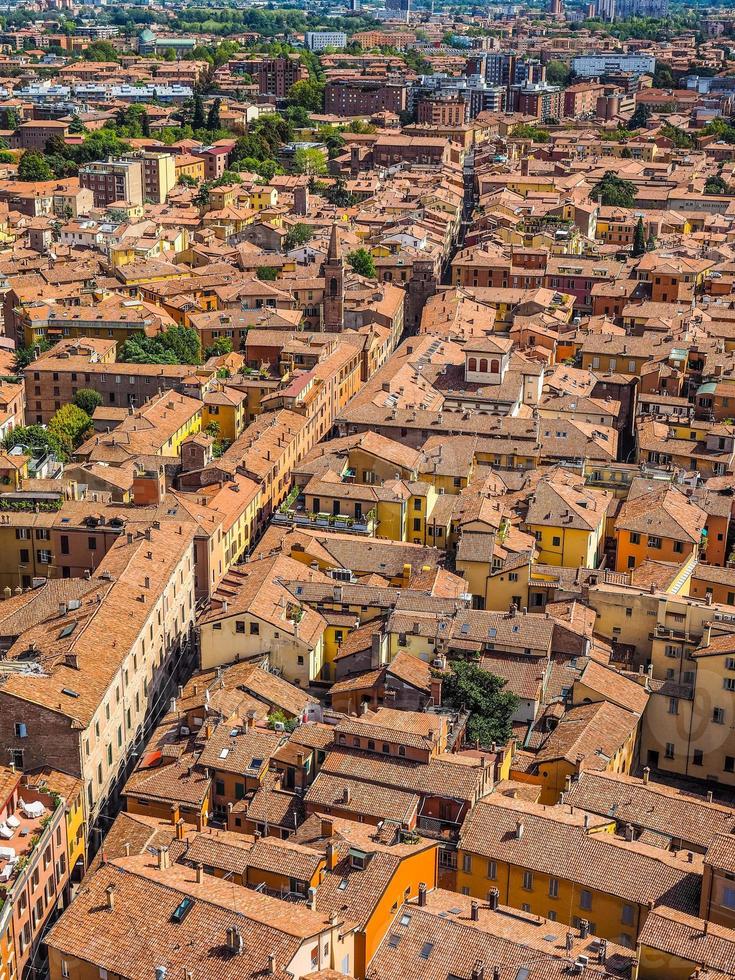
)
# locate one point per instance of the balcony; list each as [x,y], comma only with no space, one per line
[365,526]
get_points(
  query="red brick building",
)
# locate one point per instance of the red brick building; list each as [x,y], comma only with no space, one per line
[361,97]
[442,112]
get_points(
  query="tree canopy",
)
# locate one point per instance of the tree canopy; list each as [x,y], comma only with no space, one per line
[309,94]
[614,192]
[639,239]
[177,345]
[527,131]
[218,347]
[309,161]
[88,399]
[32,166]
[362,263]
[297,235]
[467,686]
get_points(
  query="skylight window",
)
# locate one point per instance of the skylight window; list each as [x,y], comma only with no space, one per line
[426,951]
[182,910]
[68,630]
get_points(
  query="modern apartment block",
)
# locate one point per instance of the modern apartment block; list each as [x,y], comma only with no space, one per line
[114,181]
[159,174]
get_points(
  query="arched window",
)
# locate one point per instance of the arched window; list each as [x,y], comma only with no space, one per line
[495,366]
[333,286]
[472,364]
[483,365]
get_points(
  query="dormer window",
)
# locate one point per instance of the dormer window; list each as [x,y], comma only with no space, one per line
[358,859]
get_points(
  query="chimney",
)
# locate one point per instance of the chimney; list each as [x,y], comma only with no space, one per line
[180,829]
[602,951]
[475,911]
[478,970]
[62,609]
[164,860]
[519,829]
[422,894]
[346,794]
[629,831]
[570,942]
[271,963]
[312,899]
[327,827]
[110,892]
[127,848]
[646,774]
[496,973]
[584,928]
[172,705]
[332,857]
[234,940]
[493,899]
[710,796]
[200,874]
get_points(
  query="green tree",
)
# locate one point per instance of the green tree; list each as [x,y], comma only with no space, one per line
[186,180]
[362,263]
[69,425]
[716,185]
[527,131]
[198,119]
[177,345]
[76,125]
[680,139]
[279,718]
[35,440]
[100,51]
[309,161]
[201,198]
[88,399]
[12,119]
[24,355]
[639,239]
[145,124]
[267,273]
[298,234]
[640,117]
[338,194]
[308,94]
[32,166]
[663,76]
[219,347]
[558,72]
[613,191]
[213,116]
[467,686]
